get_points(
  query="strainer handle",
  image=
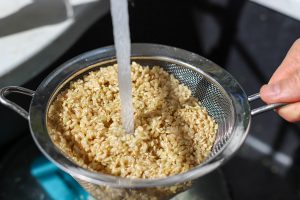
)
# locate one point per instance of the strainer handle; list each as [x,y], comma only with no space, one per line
[15,89]
[264,108]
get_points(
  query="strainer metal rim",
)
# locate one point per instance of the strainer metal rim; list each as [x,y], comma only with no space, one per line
[40,102]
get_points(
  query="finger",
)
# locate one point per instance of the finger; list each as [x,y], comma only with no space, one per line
[283,91]
[290,112]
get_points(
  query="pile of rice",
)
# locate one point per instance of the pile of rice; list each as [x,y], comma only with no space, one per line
[173,132]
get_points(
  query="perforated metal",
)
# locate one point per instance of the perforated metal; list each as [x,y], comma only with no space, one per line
[215,88]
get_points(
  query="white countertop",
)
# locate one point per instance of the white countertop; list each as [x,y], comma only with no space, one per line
[34,33]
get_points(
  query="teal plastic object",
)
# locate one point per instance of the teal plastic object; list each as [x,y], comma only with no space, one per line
[56,183]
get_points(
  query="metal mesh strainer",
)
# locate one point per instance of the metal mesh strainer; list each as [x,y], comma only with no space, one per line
[216,89]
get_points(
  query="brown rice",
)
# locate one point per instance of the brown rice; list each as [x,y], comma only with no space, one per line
[173,132]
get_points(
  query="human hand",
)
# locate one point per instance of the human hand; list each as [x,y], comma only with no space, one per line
[284,85]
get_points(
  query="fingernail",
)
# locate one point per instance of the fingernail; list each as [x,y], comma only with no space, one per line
[272,90]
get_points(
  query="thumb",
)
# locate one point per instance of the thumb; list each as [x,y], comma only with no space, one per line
[283,91]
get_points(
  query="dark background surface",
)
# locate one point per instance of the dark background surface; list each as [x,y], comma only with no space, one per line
[247,39]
